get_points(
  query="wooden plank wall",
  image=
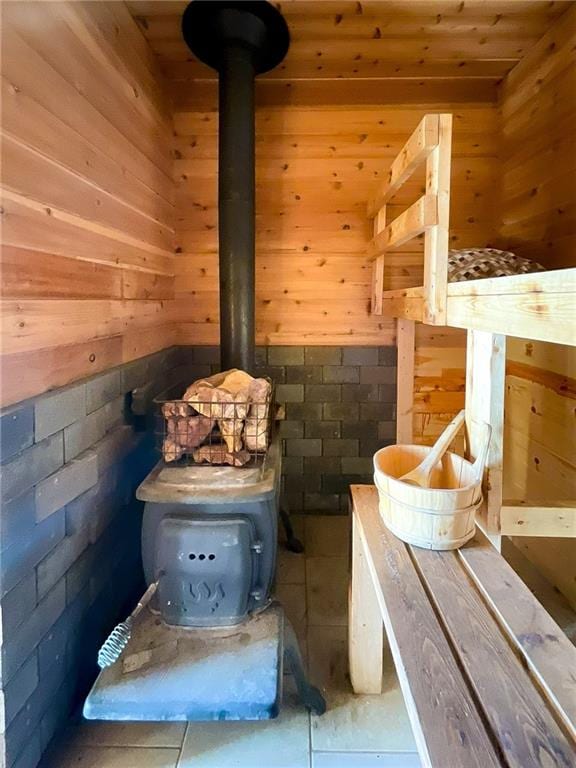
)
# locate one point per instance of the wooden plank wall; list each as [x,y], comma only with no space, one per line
[439,381]
[316,169]
[540,445]
[538,220]
[87,210]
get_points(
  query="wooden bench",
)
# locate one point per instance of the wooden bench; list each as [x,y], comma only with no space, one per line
[489,679]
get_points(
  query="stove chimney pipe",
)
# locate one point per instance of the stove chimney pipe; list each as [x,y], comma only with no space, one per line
[240,40]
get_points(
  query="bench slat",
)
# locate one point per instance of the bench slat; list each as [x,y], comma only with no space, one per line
[447,726]
[528,734]
[547,651]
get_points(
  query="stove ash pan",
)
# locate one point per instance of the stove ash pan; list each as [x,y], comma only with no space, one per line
[213,551]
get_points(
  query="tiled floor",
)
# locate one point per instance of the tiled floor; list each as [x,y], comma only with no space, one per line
[355,732]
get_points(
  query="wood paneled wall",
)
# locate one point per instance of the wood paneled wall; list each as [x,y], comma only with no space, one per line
[439,380]
[538,150]
[87,210]
[538,220]
[540,446]
[316,169]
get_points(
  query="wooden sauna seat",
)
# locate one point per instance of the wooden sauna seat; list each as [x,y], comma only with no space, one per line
[537,306]
[487,676]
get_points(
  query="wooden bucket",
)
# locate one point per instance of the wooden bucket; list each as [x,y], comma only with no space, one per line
[439,517]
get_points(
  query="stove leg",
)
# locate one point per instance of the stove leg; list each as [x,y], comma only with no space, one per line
[309,694]
[293,544]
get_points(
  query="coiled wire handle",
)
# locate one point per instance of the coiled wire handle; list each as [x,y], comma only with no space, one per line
[118,639]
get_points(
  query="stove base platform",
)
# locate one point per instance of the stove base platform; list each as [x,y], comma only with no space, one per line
[173,673]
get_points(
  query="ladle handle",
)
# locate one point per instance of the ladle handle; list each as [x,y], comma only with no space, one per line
[480,462]
[443,443]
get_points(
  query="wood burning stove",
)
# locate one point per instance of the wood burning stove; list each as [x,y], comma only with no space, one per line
[212,642]
[209,539]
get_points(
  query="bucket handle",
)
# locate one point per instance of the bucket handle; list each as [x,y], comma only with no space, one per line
[479,464]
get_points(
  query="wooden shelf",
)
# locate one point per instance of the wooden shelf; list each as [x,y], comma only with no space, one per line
[539,306]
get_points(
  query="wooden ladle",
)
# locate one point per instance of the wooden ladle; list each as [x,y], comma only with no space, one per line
[421,475]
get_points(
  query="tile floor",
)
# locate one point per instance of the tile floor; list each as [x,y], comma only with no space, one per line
[355,732]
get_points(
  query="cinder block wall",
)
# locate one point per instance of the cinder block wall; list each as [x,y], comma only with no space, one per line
[340,408]
[70,542]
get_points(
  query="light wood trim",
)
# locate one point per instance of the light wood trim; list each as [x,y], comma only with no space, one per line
[378,267]
[551,282]
[422,215]
[405,339]
[93,227]
[366,629]
[432,142]
[405,303]
[554,519]
[413,153]
[505,602]
[539,306]
[397,585]
[516,713]
[203,97]
[485,388]
[377,285]
[546,650]
[436,241]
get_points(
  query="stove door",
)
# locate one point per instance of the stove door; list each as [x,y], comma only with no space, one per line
[206,569]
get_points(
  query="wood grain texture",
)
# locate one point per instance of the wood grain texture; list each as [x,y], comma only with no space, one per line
[437,239]
[540,446]
[28,274]
[402,50]
[203,94]
[417,148]
[555,519]
[366,630]
[537,219]
[87,208]
[406,342]
[439,381]
[446,723]
[526,731]
[316,169]
[540,306]
[512,658]
[485,389]
[538,104]
[418,218]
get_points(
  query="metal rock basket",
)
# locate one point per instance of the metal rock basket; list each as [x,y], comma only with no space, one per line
[213,428]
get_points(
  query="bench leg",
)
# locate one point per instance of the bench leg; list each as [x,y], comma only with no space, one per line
[366,630]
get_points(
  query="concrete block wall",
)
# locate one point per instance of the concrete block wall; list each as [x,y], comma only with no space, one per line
[70,543]
[340,408]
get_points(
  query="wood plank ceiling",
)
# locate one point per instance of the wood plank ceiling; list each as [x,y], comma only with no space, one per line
[385,51]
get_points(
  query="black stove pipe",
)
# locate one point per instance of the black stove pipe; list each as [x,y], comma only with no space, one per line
[237,208]
[240,39]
